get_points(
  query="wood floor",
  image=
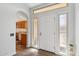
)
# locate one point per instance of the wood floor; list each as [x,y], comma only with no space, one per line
[22,51]
[33,52]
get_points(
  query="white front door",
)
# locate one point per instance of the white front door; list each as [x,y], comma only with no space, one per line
[46,29]
[49,31]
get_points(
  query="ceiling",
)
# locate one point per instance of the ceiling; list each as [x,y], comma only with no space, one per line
[33,4]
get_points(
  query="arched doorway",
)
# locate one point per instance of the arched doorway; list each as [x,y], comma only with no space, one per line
[21,31]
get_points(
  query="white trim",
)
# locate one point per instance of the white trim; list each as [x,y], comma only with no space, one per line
[11,54]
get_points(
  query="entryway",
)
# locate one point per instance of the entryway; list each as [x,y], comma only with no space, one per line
[21,31]
[52,28]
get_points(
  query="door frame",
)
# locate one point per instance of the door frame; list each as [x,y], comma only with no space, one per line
[70,10]
[26,19]
[35,17]
[45,5]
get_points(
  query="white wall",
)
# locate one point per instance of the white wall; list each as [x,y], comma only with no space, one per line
[77,27]
[7,26]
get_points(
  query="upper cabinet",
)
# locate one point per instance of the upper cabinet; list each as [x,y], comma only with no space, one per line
[21,24]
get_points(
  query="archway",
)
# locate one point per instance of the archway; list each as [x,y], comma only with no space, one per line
[21,30]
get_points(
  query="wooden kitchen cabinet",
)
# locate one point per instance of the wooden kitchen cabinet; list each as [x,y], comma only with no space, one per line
[23,40]
[21,24]
[17,36]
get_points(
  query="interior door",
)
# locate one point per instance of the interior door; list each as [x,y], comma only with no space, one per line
[46,29]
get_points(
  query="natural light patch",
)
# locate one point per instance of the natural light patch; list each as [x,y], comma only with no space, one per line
[34,50]
[51,7]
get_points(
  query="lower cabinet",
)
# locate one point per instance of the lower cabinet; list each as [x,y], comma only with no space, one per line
[23,40]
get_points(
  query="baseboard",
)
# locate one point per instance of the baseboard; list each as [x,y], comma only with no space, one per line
[34,48]
[13,54]
[47,51]
[9,54]
[58,54]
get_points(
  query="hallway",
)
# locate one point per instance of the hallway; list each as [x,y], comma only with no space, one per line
[33,52]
